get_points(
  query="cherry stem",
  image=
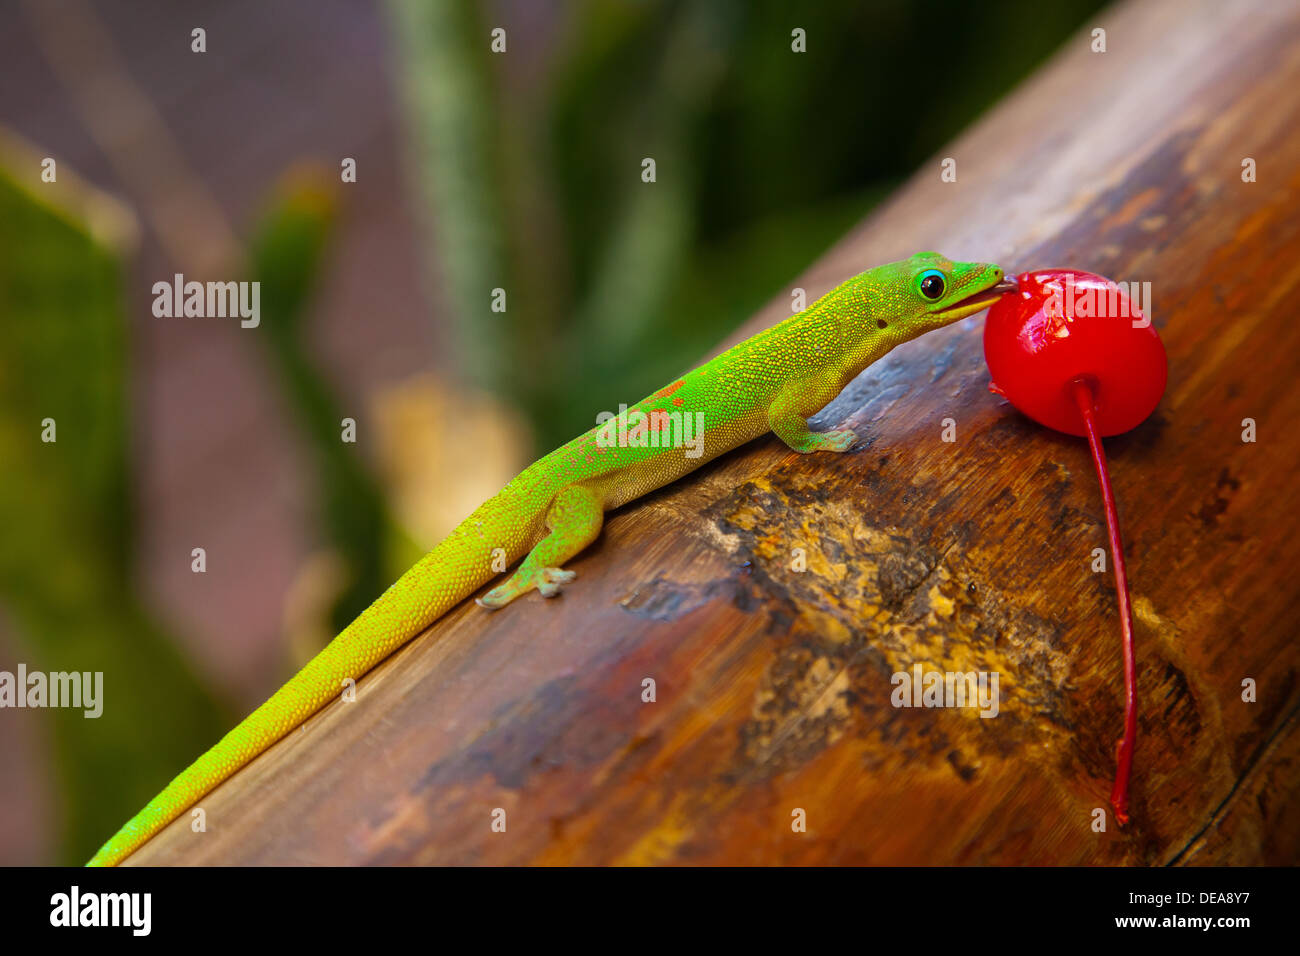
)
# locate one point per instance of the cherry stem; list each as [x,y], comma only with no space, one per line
[1086,400]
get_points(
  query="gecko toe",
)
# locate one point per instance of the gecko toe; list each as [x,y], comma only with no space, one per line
[553,580]
[547,581]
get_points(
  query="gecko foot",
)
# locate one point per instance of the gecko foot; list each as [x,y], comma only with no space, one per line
[841,439]
[547,581]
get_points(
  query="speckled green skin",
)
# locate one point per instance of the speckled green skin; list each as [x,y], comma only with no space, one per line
[555,507]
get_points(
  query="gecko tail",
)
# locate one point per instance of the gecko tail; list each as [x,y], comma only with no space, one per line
[444,577]
[300,697]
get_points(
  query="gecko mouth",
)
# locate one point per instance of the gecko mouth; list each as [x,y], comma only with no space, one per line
[982,299]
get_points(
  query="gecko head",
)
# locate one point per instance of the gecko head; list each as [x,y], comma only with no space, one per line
[938,291]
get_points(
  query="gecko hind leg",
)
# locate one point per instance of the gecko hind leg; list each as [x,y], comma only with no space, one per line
[574,520]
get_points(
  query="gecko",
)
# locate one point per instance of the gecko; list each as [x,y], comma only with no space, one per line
[555,508]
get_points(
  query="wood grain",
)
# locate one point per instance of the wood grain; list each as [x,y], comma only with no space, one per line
[773,686]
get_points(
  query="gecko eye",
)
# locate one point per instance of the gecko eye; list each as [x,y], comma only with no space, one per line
[932,284]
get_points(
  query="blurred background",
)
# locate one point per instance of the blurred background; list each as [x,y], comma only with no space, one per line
[475,170]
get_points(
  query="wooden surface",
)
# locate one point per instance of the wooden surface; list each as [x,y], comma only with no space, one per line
[773,686]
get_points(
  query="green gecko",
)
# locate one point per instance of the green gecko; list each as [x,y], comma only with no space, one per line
[555,507]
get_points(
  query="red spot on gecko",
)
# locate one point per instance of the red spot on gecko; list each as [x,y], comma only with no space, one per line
[679,402]
[669,389]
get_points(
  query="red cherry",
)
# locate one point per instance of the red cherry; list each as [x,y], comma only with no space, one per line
[1070,350]
[1065,325]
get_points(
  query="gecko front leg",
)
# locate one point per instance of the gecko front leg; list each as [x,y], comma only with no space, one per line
[574,520]
[786,416]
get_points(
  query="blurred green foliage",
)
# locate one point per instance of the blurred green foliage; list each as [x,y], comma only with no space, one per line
[66,556]
[66,549]
[764,158]
[287,248]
